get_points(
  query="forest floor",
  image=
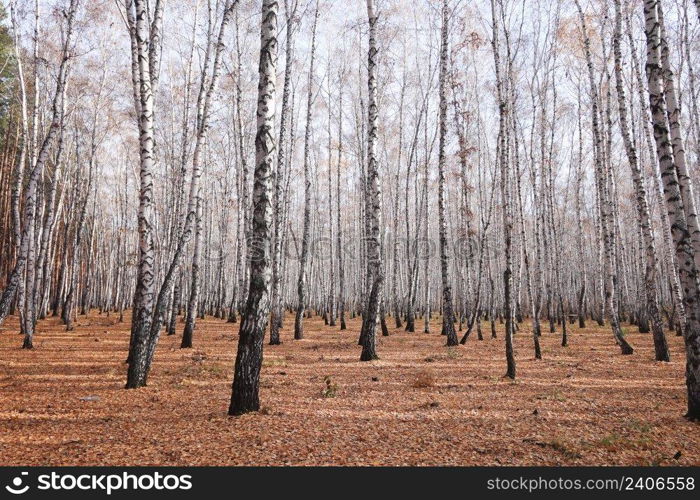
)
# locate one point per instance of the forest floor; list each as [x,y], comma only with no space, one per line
[422,403]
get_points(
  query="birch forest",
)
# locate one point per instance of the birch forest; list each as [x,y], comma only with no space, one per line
[375,232]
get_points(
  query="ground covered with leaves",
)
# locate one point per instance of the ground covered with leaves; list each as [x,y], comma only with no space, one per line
[422,403]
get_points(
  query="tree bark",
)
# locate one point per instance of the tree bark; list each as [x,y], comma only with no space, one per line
[602,184]
[277,311]
[687,270]
[195,283]
[375,272]
[650,279]
[304,257]
[448,322]
[246,379]
[37,168]
[143,303]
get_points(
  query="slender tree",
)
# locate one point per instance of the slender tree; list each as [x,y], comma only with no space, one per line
[35,174]
[277,310]
[602,184]
[144,294]
[685,253]
[375,272]
[448,321]
[246,378]
[650,284]
[503,160]
[306,230]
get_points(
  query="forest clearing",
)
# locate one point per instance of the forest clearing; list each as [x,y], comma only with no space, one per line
[64,402]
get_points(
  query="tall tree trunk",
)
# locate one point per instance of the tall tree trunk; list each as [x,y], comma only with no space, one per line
[37,168]
[304,257]
[69,304]
[195,285]
[246,379]
[207,87]
[339,232]
[331,261]
[673,112]
[448,323]
[143,303]
[602,184]
[375,271]
[667,246]
[650,279]
[687,270]
[16,194]
[503,159]
[277,311]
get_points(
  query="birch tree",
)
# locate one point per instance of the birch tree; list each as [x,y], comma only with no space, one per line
[306,230]
[602,185]
[650,285]
[448,320]
[375,272]
[27,240]
[685,252]
[246,378]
